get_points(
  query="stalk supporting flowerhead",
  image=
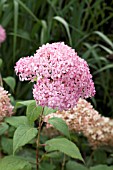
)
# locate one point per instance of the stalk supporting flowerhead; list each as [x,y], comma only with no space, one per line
[62,77]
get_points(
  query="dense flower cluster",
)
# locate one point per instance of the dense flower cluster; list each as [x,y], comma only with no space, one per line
[2,34]
[84,118]
[6,109]
[62,77]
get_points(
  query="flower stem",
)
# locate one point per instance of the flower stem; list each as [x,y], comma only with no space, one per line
[1,82]
[63,162]
[38,138]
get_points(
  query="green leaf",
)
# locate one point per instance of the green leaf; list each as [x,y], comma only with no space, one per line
[29,11]
[44,33]
[66,25]
[65,146]
[101,167]
[3,128]
[22,35]
[17,120]
[23,135]
[72,165]
[109,66]
[56,155]
[10,81]
[14,163]
[60,125]
[48,110]
[1,63]
[29,154]
[46,166]
[100,156]
[106,49]
[7,145]
[33,112]
[105,38]
[23,103]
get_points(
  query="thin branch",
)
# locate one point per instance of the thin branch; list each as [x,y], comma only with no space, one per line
[63,162]
[38,138]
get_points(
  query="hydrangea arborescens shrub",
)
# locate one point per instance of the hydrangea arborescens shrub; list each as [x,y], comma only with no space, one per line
[2,34]
[61,76]
[6,109]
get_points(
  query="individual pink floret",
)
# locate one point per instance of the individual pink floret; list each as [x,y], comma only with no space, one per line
[62,76]
[2,34]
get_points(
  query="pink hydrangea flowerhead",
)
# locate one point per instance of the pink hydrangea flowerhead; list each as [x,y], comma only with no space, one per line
[62,77]
[2,34]
[6,109]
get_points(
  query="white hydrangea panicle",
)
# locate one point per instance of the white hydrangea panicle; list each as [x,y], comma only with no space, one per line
[83,118]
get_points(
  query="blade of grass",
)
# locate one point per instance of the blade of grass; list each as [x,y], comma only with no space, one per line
[103,69]
[66,25]
[7,15]
[106,49]
[16,8]
[29,11]
[104,37]
[44,33]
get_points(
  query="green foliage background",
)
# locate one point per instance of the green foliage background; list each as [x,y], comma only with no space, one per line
[84,25]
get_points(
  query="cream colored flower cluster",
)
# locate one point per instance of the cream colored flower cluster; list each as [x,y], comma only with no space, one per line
[6,109]
[85,119]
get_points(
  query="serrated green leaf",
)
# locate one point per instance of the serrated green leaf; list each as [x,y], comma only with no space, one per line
[60,125]
[23,103]
[3,128]
[65,146]
[17,120]
[33,112]
[72,165]
[23,135]
[48,110]
[14,163]
[10,81]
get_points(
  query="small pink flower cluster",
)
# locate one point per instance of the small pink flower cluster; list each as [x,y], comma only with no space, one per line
[84,118]
[2,34]
[6,109]
[62,77]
